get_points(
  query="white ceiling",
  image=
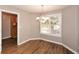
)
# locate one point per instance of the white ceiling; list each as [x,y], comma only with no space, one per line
[38,9]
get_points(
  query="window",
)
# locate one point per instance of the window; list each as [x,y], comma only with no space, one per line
[52,26]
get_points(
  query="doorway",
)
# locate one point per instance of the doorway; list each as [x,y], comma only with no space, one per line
[9,30]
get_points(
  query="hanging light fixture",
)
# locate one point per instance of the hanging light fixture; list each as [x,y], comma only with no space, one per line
[42,18]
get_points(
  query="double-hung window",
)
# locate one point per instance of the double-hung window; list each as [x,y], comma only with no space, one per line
[52,26]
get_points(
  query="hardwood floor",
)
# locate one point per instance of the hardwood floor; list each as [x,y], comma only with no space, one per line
[32,47]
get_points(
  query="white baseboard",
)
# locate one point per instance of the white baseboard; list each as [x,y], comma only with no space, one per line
[26,41]
[40,39]
[69,49]
[59,43]
[6,37]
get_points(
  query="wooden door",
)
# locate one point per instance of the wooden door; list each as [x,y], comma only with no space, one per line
[13,26]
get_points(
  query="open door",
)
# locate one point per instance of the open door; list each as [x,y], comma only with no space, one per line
[13,26]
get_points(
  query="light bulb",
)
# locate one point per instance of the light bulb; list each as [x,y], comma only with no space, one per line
[46,18]
[43,17]
[37,18]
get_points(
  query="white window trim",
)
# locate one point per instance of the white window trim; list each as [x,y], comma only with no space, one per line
[51,34]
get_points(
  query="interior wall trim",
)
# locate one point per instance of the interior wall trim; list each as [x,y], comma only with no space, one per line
[59,43]
[0,48]
[6,37]
[69,48]
[27,40]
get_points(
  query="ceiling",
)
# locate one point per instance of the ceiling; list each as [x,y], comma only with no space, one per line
[38,8]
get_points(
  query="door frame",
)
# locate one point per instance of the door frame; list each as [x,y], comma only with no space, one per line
[18,18]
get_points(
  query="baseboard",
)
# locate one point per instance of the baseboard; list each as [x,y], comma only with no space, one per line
[69,49]
[59,43]
[6,37]
[51,42]
[26,41]
[40,39]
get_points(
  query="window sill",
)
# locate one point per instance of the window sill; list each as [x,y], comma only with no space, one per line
[45,33]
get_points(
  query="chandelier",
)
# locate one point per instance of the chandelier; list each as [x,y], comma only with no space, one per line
[42,18]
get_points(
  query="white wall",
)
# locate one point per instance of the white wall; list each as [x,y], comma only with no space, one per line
[70,27]
[27,25]
[34,27]
[78,29]
[6,26]
[0,34]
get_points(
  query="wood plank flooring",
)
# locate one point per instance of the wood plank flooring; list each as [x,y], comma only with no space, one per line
[32,47]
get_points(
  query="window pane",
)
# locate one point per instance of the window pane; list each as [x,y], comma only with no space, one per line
[52,25]
[45,27]
[55,25]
